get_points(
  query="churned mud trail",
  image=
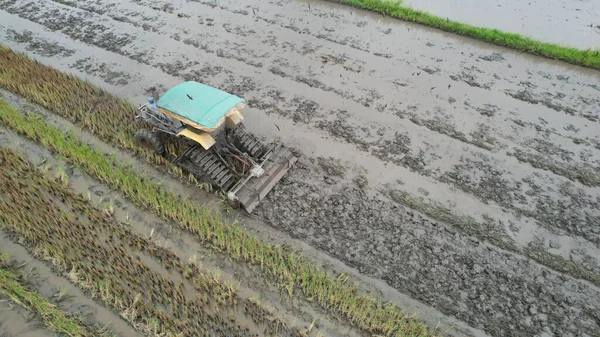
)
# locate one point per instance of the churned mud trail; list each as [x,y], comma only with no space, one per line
[500,149]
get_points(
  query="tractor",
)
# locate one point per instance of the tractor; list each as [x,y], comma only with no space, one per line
[217,150]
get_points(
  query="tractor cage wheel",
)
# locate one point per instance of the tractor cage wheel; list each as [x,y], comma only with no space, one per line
[150,140]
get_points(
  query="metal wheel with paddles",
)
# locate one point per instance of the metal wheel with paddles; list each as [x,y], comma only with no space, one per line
[150,140]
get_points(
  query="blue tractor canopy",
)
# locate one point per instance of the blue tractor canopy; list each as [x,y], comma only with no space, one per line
[198,103]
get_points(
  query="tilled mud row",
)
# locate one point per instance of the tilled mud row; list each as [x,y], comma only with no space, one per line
[70,232]
[505,293]
[501,145]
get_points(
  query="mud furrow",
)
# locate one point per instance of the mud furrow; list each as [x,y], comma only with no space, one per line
[563,206]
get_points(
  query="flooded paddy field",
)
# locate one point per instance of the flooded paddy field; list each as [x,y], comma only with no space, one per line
[571,23]
[463,176]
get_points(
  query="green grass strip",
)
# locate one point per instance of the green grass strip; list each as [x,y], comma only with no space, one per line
[395,9]
[54,318]
[284,266]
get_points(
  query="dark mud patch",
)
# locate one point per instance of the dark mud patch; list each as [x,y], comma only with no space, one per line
[241,31]
[490,186]
[239,85]
[39,46]
[84,6]
[341,128]
[333,60]
[429,70]
[441,125]
[469,78]
[493,57]
[547,148]
[487,110]
[91,66]
[306,109]
[177,68]
[332,167]
[482,138]
[204,75]
[579,173]
[395,151]
[527,84]
[526,96]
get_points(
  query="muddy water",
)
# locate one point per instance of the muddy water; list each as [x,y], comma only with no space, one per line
[14,322]
[572,22]
[480,131]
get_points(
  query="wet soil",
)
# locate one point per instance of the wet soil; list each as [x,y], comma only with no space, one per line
[15,321]
[483,140]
